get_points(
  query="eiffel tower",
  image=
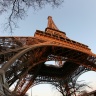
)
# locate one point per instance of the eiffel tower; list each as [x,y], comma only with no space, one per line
[23,61]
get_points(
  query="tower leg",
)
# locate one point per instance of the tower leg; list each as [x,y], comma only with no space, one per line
[4,87]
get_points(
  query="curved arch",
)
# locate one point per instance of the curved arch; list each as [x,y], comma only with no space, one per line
[11,61]
[32,47]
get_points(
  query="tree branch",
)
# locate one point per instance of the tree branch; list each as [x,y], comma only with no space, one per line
[18,9]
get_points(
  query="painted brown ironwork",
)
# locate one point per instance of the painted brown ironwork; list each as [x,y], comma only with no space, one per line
[23,60]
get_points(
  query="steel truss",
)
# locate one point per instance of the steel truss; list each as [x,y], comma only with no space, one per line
[22,60]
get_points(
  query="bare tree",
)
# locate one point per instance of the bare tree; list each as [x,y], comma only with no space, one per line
[17,9]
[69,89]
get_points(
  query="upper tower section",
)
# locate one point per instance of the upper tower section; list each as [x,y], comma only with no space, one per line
[54,35]
[53,30]
[51,24]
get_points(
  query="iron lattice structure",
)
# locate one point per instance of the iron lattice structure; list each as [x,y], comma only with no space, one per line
[22,60]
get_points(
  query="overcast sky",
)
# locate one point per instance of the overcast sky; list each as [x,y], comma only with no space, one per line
[75,17]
